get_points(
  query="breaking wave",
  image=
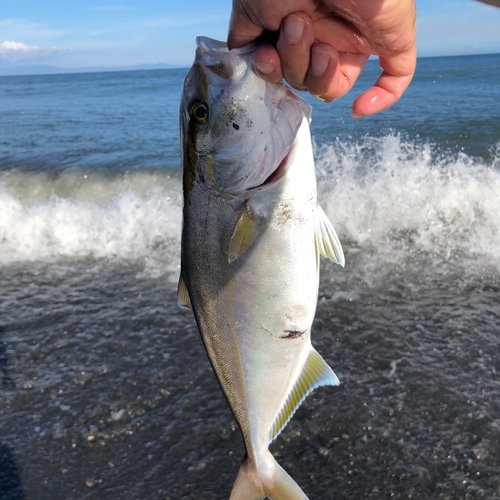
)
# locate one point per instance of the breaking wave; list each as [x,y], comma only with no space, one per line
[391,195]
[79,213]
[386,195]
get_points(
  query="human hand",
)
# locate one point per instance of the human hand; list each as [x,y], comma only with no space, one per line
[323,45]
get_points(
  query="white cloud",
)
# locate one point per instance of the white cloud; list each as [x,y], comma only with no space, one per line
[15,51]
[29,31]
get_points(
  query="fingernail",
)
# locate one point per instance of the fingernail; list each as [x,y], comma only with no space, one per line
[264,68]
[319,61]
[355,116]
[293,29]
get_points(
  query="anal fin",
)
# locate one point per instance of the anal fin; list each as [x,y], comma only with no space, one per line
[327,241]
[183,295]
[315,373]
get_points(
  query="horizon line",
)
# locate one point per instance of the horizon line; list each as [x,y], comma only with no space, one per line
[169,66]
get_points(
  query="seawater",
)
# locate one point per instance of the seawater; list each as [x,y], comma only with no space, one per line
[106,391]
[84,159]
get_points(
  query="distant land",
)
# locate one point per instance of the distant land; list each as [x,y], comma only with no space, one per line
[41,69]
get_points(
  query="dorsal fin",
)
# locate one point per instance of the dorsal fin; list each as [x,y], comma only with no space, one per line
[315,373]
[327,241]
[182,294]
[245,232]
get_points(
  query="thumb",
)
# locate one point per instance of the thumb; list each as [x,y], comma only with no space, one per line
[241,31]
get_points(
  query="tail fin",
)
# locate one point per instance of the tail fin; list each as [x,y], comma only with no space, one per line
[267,480]
[248,484]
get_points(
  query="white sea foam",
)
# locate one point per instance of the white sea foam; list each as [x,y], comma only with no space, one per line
[384,191]
[111,217]
[385,195]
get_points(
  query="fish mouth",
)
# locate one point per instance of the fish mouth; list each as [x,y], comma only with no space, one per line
[222,62]
[211,47]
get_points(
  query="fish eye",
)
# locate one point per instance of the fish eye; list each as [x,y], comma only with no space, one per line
[199,112]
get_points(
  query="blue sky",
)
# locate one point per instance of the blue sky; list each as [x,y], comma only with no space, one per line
[122,32]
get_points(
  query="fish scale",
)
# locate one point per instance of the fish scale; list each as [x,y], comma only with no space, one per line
[252,236]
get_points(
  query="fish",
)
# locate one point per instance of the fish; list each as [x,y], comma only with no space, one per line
[252,236]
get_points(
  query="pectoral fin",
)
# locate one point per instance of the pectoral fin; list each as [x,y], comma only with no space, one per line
[315,373]
[327,241]
[246,230]
[183,295]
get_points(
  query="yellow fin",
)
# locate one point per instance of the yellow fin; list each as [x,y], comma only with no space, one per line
[245,232]
[183,295]
[327,241]
[315,373]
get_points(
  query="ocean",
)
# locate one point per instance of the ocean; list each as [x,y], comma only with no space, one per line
[105,388]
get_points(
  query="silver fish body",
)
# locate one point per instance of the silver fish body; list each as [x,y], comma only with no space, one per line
[251,240]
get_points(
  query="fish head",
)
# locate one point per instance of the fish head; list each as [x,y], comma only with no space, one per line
[236,128]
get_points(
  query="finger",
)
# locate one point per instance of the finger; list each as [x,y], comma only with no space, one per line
[250,19]
[397,75]
[267,64]
[342,35]
[294,48]
[241,30]
[332,74]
